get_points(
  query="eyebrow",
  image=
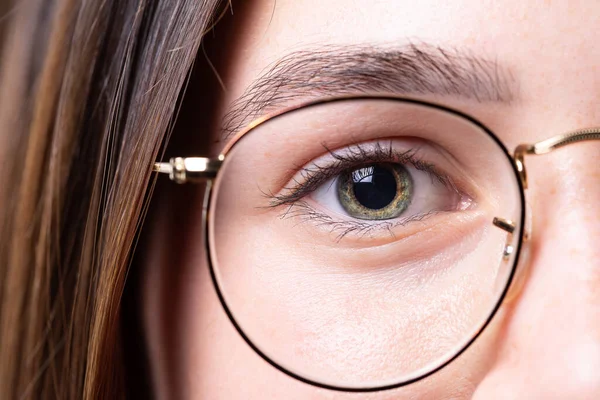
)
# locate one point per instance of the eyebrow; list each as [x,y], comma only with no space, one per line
[340,70]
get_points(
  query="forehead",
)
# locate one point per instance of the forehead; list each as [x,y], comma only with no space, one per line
[548,47]
[515,29]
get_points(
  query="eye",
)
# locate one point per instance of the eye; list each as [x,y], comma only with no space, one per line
[387,191]
[377,186]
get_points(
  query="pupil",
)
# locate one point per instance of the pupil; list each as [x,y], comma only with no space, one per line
[374,187]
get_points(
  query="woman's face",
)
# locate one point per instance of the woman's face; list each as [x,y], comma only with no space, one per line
[526,69]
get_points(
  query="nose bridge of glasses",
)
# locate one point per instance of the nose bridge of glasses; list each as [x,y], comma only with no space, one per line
[548,145]
[190,169]
[509,227]
[522,269]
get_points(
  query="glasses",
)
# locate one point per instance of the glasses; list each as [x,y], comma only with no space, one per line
[363,243]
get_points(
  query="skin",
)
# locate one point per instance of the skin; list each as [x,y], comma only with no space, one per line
[545,340]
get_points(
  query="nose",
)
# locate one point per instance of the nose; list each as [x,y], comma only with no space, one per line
[549,347]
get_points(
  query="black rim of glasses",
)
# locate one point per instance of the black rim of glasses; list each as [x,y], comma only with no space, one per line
[313,103]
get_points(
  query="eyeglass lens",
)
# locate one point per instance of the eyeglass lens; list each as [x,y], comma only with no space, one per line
[352,241]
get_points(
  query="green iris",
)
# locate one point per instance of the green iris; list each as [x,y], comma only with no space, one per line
[375,192]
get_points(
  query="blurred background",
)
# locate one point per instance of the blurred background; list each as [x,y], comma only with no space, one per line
[5,6]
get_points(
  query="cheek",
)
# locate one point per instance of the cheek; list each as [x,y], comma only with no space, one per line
[195,352]
[325,314]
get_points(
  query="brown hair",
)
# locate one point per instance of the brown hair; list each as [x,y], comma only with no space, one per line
[88,94]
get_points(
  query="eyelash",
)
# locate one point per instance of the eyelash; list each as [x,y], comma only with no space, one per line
[314,175]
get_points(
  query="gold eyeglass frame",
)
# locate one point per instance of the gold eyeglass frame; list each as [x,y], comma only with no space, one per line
[205,170]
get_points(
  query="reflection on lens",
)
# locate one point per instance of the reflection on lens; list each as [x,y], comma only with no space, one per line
[367,259]
[375,191]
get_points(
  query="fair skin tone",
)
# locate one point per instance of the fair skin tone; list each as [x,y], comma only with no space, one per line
[545,340]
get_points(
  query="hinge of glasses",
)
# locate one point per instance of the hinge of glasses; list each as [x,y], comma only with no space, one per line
[548,145]
[190,169]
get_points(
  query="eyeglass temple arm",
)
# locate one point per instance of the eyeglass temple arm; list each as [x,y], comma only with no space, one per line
[548,145]
[200,169]
[190,169]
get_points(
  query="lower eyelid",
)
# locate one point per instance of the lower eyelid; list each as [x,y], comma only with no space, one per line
[353,232]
